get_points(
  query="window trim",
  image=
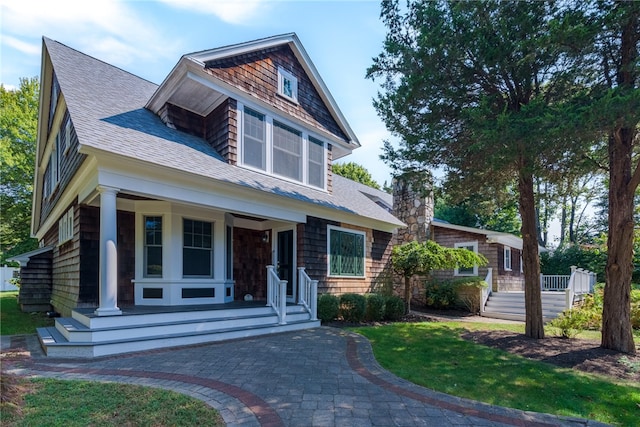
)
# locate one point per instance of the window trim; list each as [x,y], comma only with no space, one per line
[211,249]
[466,245]
[269,120]
[507,250]
[364,251]
[284,75]
[65,227]
[145,270]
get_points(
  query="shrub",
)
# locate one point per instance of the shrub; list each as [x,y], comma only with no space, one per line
[635,308]
[328,307]
[393,308]
[353,307]
[440,294]
[467,292]
[569,323]
[375,307]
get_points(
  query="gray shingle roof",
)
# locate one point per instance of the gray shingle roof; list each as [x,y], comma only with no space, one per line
[106,105]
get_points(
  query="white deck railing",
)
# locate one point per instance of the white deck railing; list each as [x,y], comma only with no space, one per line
[554,282]
[277,294]
[581,282]
[308,295]
[486,292]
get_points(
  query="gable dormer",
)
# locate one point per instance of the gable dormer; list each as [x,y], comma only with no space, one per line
[262,106]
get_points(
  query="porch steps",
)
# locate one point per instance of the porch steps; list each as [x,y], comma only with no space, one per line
[91,336]
[510,305]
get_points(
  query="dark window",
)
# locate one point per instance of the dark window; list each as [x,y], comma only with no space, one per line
[153,246]
[197,248]
[346,253]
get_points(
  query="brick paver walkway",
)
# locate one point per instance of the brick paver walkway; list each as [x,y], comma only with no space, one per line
[318,377]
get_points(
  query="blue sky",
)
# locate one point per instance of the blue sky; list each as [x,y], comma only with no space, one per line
[147,37]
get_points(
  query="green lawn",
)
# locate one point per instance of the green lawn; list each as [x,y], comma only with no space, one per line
[433,355]
[14,322]
[82,403]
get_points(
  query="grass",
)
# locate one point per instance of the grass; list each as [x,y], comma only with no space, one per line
[14,322]
[433,355]
[82,403]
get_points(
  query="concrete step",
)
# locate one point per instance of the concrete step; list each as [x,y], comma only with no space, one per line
[73,337]
[56,345]
[511,305]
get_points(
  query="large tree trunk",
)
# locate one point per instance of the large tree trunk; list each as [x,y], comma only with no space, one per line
[616,318]
[534,326]
[617,333]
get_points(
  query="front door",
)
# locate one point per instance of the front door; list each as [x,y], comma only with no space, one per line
[285,261]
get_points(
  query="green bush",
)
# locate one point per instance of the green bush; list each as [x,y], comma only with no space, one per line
[440,294]
[328,307]
[569,323]
[467,292]
[393,308]
[635,308]
[375,307]
[353,307]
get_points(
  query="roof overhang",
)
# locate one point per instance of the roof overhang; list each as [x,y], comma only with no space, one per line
[24,258]
[498,237]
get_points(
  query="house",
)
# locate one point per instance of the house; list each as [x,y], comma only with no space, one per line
[502,250]
[156,204]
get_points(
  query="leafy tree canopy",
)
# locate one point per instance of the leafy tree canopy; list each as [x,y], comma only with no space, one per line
[355,172]
[18,133]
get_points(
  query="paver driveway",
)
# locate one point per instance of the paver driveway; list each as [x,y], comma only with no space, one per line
[317,377]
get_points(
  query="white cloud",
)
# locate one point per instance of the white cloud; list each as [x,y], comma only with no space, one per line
[22,46]
[104,28]
[230,11]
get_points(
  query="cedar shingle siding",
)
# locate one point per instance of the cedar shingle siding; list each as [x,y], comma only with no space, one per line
[69,164]
[257,73]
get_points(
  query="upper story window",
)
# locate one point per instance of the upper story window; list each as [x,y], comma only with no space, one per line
[55,92]
[287,85]
[467,271]
[277,148]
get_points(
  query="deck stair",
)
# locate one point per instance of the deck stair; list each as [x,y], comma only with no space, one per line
[87,335]
[510,305]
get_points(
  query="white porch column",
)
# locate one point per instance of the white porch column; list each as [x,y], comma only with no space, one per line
[108,281]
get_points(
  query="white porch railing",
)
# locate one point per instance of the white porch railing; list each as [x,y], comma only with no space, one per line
[486,292]
[277,294]
[554,282]
[308,295]
[581,282]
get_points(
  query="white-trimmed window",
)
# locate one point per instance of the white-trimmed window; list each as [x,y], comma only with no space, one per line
[229,253]
[346,249]
[287,151]
[46,181]
[254,151]
[152,246]
[66,141]
[280,148]
[65,227]
[54,164]
[316,167]
[197,248]
[467,271]
[287,85]
[507,258]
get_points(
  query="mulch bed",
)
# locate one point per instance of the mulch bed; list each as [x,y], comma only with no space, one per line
[582,355]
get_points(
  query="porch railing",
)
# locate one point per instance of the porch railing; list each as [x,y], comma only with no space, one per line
[554,282]
[308,293]
[486,292]
[581,282]
[277,294]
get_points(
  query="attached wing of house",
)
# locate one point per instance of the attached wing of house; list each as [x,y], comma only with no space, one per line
[183,193]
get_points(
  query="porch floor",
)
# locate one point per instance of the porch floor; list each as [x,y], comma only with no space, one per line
[134,310]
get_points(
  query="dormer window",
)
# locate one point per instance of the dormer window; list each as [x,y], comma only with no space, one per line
[281,149]
[287,85]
